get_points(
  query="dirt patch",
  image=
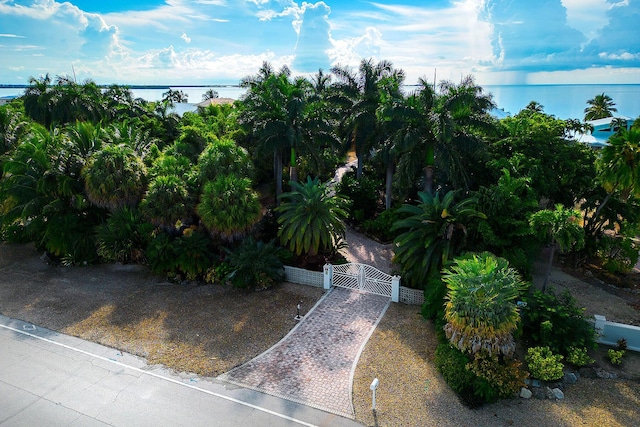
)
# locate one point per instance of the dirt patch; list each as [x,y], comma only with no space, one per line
[202,329]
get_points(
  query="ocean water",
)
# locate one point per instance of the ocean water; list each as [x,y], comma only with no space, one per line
[563,101]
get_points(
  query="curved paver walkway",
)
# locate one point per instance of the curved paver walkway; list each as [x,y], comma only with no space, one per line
[314,363]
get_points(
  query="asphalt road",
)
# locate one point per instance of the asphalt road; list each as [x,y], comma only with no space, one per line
[51,379]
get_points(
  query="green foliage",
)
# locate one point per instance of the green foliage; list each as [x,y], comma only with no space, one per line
[161,254]
[224,157]
[619,254]
[255,265]
[578,356]
[167,201]
[544,364]
[455,368]
[434,231]
[434,294]
[311,218]
[193,254]
[480,309]
[504,378]
[363,194]
[506,231]
[557,322]
[561,226]
[189,255]
[124,236]
[538,146]
[114,177]
[381,225]
[615,356]
[229,207]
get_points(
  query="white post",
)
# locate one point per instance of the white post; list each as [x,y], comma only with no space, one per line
[599,324]
[395,289]
[328,275]
[373,387]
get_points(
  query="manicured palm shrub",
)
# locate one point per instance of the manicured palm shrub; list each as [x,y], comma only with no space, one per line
[114,177]
[229,207]
[481,311]
[161,254]
[194,254]
[224,157]
[167,202]
[255,265]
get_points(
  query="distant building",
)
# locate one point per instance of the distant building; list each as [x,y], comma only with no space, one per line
[603,129]
[7,99]
[183,107]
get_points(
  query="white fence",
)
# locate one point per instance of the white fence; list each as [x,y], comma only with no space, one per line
[372,280]
[610,332]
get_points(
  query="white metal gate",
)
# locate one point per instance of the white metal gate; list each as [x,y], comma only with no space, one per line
[362,277]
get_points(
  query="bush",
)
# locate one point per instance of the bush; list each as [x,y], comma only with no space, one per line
[189,255]
[619,254]
[615,356]
[380,226]
[544,364]
[124,236]
[556,322]
[255,265]
[454,366]
[504,377]
[363,194]
[578,356]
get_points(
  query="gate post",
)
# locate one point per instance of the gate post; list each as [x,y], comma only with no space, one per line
[395,288]
[328,275]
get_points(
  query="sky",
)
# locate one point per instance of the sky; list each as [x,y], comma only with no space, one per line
[202,42]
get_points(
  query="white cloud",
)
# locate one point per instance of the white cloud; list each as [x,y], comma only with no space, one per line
[12,36]
[186,38]
[587,16]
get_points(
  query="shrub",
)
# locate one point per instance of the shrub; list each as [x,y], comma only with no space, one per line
[615,356]
[504,377]
[161,254]
[556,322]
[193,254]
[380,226]
[452,364]
[363,194]
[124,236]
[619,254]
[578,356]
[255,265]
[544,364]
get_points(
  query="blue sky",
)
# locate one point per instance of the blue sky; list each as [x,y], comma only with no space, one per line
[221,41]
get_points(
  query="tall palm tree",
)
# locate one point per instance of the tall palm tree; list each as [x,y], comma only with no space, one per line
[210,94]
[562,227]
[37,100]
[311,218]
[359,99]
[600,107]
[618,169]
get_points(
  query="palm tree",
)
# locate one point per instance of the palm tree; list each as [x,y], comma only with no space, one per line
[535,107]
[37,100]
[359,98]
[618,169]
[600,107]
[562,227]
[481,310]
[114,177]
[228,207]
[171,97]
[224,157]
[167,202]
[434,233]
[311,218]
[210,94]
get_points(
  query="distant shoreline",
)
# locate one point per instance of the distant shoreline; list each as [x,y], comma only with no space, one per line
[23,86]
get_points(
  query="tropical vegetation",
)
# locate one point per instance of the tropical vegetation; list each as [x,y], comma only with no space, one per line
[222,195]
